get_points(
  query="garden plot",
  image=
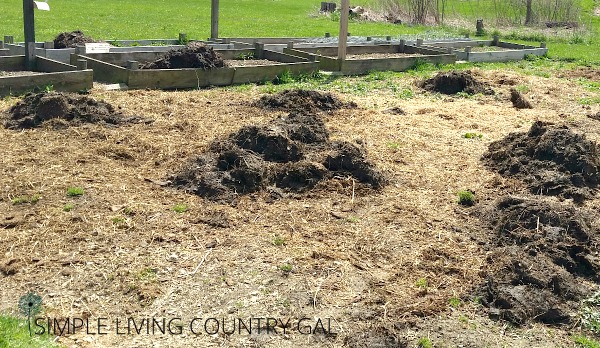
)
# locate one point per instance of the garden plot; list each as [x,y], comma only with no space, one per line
[68,43]
[135,69]
[362,59]
[15,79]
[488,50]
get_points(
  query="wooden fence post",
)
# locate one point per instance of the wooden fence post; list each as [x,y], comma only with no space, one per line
[343,38]
[29,30]
[214,19]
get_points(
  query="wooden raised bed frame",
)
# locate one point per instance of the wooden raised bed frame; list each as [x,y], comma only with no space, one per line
[61,76]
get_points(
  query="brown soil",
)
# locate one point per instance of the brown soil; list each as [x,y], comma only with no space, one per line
[455,82]
[292,154]
[71,39]
[541,249]
[518,100]
[193,55]
[64,109]
[551,160]
[302,100]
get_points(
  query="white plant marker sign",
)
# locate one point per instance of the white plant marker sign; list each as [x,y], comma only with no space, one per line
[97,47]
[42,5]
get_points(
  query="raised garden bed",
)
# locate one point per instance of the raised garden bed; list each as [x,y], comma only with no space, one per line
[14,79]
[489,50]
[363,59]
[124,68]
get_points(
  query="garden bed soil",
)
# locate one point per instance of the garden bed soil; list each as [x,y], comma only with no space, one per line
[194,55]
[542,250]
[71,39]
[303,101]
[249,62]
[63,109]
[292,154]
[453,82]
[550,159]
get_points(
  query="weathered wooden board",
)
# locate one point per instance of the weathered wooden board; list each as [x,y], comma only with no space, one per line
[103,72]
[12,63]
[179,78]
[253,74]
[50,65]
[504,56]
[71,81]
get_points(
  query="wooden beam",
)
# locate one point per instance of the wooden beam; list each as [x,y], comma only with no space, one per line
[343,39]
[214,19]
[29,28]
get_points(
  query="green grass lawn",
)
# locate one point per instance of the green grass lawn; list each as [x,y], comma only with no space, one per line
[156,19]
[15,334]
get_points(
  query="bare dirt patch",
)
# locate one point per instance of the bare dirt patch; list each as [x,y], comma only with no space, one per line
[455,82]
[550,159]
[64,109]
[71,39]
[592,74]
[302,100]
[193,55]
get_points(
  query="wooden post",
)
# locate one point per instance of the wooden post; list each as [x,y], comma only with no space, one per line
[133,65]
[419,42]
[401,46]
[9,39]
[81,64]
[259,50]
[290,44]
[327,34]
[1,45]
[29,29]
[183,40]
[542,44]
[495,40]
[343,38]
[49,44]
[214,19]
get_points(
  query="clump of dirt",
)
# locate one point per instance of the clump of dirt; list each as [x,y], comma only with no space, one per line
[518,100]
[595,116]
[194,55]
[37,108]
[291,154]
[71,39]
[302,100]
[453,82]
[550,159]
[544,249]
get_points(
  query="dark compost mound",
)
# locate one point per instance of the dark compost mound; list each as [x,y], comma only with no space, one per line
[292,154]
[545,250]
[453,82]
[302,100]
[518,100]
[551,160]
[35,109]
[194,55]
[71,39]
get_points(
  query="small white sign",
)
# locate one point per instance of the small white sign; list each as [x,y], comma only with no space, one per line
[40,5]
[97,47]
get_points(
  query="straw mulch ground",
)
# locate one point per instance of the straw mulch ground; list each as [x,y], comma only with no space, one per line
[384,264]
